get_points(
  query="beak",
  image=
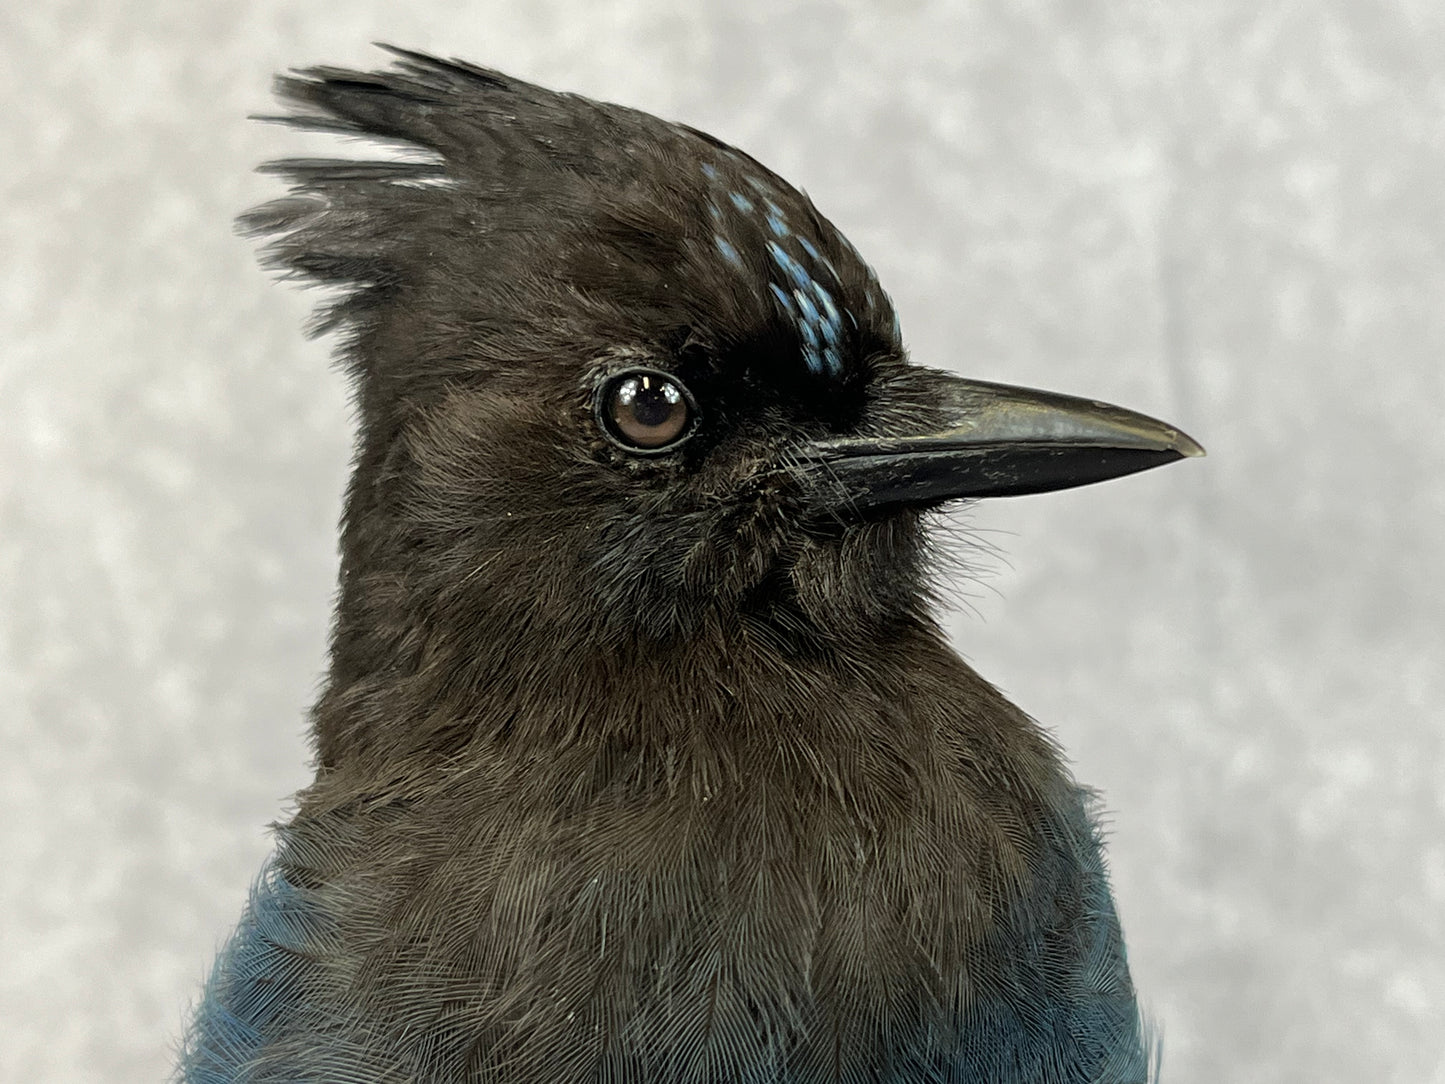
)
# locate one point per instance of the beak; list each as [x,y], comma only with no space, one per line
[994,441]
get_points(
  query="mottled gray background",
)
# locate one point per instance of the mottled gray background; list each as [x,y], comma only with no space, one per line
[1228,214]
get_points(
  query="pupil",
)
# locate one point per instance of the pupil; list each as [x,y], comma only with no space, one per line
[646,411]
[654,402]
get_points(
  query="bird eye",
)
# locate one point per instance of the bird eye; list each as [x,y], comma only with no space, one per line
[646,411]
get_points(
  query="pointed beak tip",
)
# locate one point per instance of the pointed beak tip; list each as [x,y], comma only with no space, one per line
[1188,447]
[997,441]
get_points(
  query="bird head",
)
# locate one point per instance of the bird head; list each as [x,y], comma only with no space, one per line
[620,384]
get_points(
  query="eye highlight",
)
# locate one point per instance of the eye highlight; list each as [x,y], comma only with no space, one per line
[645,411]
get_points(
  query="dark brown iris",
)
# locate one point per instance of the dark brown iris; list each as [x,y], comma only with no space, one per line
[647,411]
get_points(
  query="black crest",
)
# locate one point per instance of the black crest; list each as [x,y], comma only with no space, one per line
[526,216]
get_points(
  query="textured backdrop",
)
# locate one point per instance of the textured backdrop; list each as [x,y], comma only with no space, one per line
[1231,215]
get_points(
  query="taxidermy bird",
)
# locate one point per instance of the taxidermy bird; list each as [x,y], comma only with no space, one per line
[641,756]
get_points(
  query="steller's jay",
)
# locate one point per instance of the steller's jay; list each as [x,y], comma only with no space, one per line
[641,757]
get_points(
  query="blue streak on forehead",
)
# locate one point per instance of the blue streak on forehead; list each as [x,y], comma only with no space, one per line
[807,308]
[729,253]
[798,269]
[776,221]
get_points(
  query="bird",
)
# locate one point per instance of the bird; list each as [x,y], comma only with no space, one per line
[642,754]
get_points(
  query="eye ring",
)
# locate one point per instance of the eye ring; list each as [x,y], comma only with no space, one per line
[645,411]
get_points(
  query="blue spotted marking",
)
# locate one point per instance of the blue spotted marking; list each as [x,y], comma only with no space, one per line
[810,336]
[803,299]
[729,253]
[787,265]
[806,308]
[830,310]
[812,310]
